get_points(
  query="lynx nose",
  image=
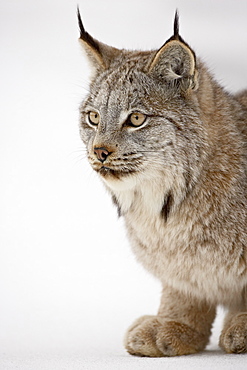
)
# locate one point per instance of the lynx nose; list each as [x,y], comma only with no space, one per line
[101,154]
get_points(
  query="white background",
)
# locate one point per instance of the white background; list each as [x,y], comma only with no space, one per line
[69,283]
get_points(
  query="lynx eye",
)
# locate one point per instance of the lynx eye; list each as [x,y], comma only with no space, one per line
[93,118]
[137,119]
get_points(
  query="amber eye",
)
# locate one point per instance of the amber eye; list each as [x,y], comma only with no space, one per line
[137,119]
[93,118]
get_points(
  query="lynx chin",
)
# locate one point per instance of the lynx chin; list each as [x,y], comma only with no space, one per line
[170,145]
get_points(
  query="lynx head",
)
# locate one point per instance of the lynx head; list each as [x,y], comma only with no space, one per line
[139,120]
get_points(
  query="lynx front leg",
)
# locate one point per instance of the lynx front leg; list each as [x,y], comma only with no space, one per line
[182,326]
[233,338]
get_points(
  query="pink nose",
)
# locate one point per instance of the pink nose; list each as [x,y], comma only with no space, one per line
[101,154]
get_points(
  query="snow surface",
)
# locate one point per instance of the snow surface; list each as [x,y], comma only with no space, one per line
[69,284]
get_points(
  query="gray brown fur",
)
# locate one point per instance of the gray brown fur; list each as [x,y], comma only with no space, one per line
[179,180]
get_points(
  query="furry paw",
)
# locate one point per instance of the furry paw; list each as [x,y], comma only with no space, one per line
[155,337]
[234,338]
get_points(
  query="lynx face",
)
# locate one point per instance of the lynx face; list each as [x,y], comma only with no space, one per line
[139,120]
[133,126]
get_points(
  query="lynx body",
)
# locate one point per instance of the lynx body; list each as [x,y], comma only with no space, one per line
[170,146]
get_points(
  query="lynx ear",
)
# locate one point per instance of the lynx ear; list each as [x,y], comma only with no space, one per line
[99,54]
[175,62]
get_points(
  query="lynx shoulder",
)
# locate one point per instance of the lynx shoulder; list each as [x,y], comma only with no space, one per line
[169,143]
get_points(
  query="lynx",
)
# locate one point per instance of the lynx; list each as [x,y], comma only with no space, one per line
[170,145]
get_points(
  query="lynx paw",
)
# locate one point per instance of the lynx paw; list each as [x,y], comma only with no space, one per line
[154,337]
[234,338]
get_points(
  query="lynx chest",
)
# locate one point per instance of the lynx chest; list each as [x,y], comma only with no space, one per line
[158,237]
[171,248]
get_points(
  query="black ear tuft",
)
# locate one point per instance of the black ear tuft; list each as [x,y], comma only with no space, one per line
[176,26]
[81,27]
[176,35]
[84,35]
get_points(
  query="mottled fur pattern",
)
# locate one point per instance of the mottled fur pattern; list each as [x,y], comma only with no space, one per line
[179,180]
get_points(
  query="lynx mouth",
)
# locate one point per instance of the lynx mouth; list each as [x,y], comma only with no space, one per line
[107,172]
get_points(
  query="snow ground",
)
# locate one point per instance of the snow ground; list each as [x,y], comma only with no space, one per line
[106,355]
[116,360]
[69,284]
